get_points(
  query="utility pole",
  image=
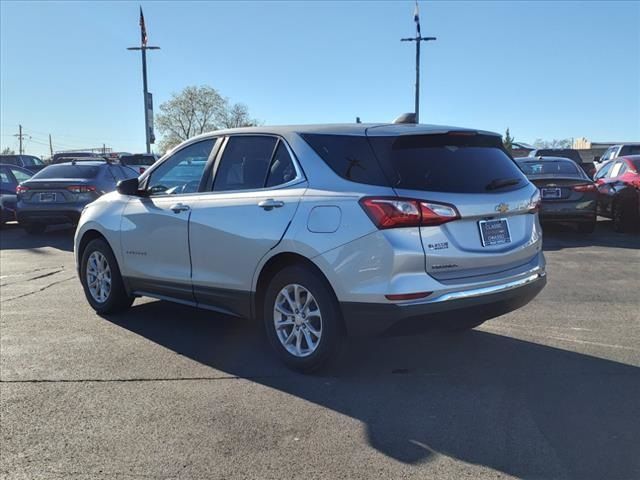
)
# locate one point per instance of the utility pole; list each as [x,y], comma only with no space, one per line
[148,106]
[50,146]
[418,39]
[20,136]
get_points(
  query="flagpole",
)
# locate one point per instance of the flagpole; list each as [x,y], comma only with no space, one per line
[418,38]
[147,107]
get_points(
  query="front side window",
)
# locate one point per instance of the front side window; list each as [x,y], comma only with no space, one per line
[181,173]
[615,170]
[245,163]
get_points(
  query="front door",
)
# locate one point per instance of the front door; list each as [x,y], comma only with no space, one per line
[155,228]
[256,191]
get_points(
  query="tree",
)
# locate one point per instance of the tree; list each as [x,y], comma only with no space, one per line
[555,143]
[238,116]
[8,151]
[196,110]
[508,140]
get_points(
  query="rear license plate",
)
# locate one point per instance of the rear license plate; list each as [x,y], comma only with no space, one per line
[494,232]
[47,197]
[551,193]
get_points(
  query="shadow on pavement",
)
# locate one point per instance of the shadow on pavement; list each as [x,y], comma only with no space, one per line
[560,236]
[14,237]
[524,409]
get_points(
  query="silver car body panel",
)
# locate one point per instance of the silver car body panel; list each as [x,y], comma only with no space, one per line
[214,251]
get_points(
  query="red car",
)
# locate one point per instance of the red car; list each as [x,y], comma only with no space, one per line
[618,183]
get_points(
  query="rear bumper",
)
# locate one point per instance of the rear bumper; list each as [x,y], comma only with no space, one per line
[49,216]
[568,211]
[481,303]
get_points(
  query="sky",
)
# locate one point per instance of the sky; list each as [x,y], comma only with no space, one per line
[545,69]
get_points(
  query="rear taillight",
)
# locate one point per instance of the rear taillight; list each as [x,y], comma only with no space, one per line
[21,189]
[389,212]
[81,188]
[534,202]
[587,187]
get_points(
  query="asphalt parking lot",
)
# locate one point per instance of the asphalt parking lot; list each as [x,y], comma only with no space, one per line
[168,392]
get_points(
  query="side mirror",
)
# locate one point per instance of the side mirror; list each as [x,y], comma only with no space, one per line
[128,187]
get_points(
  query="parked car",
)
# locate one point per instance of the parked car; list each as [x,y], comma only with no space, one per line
[58,193]
[139,161]
[618,184]
[520,149]
[568,194]
[320,230]
[588,167]
[620,150]
[10,177]
[30,162]
[64,157]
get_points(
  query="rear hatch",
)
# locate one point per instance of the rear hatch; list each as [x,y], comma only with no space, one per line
[496,230]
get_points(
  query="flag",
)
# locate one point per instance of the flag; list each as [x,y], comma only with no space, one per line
[143,29]
[416,18]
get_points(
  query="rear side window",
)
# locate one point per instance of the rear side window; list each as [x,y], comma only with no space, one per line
[349,156]
[245,163]
[449,163]
[630,150]
[549,168]
[281,169]
[67,171]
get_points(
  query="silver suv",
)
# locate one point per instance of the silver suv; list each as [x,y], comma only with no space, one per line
[322,231]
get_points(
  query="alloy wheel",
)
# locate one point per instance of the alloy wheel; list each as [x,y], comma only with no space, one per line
[297,320]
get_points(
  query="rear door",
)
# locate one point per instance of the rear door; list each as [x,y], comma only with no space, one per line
[473,173]
[255,193]
[155,228]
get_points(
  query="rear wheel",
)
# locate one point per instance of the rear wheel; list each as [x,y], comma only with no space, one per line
[35,228]
[302,319]
[624,218]
[101,279]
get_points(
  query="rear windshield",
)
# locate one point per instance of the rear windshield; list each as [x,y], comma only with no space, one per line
[629,150]
[67,171]
[137,160]
[555,167]
[448,163]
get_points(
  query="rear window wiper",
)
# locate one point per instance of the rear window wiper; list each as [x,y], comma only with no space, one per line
[501,182]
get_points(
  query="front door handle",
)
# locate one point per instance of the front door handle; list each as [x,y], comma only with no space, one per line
[179,207]
[270,203]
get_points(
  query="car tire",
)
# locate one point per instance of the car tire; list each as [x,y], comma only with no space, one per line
[587,227]
[322,315]
[99,259]
[35,228]
[624,218]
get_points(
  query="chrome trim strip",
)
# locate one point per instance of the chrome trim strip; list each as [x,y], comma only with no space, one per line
[478,292]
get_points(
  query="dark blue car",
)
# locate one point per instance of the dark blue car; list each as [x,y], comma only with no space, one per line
[10,177]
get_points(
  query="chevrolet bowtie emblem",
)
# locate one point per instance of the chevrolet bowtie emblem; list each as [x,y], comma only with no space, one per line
[502,208]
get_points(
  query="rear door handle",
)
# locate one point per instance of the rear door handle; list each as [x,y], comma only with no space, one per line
[179,207]
[270,203]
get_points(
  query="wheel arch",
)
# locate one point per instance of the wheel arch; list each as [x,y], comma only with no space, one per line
[273,266]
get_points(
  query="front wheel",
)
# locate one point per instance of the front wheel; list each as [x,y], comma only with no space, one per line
[101,280]
[302,319]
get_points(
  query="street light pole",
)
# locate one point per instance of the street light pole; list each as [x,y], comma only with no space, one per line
[147,107]
[418,39]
